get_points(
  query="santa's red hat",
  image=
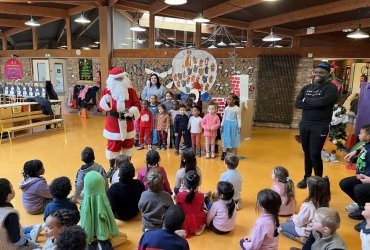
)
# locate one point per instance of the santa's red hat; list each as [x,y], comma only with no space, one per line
[116,72]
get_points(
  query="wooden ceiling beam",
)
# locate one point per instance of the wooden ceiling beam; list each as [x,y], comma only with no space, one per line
[79,9]
[61,31]
[11,41]
[42,21]
[71,2]
[131,6]
[333,27]
[157,6]
[18,9]
[85,28]
[11,23]
[228,7]
[278,31]
[312,12]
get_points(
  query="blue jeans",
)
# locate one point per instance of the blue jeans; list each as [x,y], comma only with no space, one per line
[288,229]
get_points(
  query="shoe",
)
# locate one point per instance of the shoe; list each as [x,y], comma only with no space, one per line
[216,149]
[159,147]
[223,156]
[360,226]
[183,147]
[177,152]
[149,147]
[35,232]
[213,155]
[207,155]
[333,158]
[356,215]
[302,184]
[181,233]
[164,147]
[352,207]
[140,147]
[199,153]
[325,155]
[136,144]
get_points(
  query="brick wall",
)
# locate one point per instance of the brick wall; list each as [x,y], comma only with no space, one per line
[73,71]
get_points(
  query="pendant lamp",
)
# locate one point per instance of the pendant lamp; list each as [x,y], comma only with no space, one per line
[358,34]
[272,37]
[32,23]
[82,19]
[175,2]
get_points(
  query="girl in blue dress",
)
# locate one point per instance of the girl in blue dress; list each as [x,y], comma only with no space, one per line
[230,125]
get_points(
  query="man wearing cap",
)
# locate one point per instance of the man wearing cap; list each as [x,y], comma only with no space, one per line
[316,101]
[121,103]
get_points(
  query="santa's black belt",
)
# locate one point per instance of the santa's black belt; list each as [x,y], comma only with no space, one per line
[118,115]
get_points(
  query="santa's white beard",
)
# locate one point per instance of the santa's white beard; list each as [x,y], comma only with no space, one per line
[119,91]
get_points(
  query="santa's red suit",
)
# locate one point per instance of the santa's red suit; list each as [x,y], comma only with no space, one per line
[122,104]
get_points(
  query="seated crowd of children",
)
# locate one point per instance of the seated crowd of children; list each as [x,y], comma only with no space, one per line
[166,225]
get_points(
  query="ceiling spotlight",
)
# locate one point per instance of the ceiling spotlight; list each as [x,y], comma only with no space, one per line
[137,27]
[175,2]
[272,37]
[82,19]
[358,34]
[32,23]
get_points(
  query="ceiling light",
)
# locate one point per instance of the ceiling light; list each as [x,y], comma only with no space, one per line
[167,45]
[212,47]
[32,23]
[93,46]
[158,43]
[221,44]
[239,47]
[86,48]
[243,41]
[170,38]
[137,28]
[272,37]
[358,34]
[63,46]
[97,42]
[347,30]
[233,44]
[175,2]
[201,19]
[82,19]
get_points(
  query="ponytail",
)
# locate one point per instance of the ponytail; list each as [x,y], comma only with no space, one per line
[190,196]
[226,189]
[289,190]
[318,191]
[191,182]
[230,207]
[277,224]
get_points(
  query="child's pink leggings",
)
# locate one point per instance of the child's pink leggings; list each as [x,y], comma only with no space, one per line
[195,140]
[210,140]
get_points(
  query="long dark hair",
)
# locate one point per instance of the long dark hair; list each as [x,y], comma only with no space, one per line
[188,160]
[158,82]
[318,191]
[270,201]
[282,175]
[191,182]
[152,159]
[226,189]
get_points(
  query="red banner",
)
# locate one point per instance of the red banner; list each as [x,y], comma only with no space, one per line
[13,69]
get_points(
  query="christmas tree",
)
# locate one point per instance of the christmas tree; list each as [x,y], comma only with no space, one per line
[338,134]
[85,72]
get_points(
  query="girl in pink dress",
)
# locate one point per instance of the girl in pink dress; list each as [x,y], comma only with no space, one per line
[192,202]
[210,124]
[284,186]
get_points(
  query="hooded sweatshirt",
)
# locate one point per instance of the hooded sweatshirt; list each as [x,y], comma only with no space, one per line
[97,218]
[34,192]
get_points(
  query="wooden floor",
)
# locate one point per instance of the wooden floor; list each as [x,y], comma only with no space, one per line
[268,148]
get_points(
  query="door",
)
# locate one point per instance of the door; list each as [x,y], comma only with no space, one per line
[41,70]
[58,75]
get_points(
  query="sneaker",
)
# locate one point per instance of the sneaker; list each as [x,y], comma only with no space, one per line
[35,232]
[213,155]
[325,155]
[140,147]
[159,147]
[302,184]
[199,153]
[223,156]
[181,233]
[183,147]
[360,226]
[164,147]
[356,215]
[207,155]
[149,147]
[333,158]
[177,152]
[352,207]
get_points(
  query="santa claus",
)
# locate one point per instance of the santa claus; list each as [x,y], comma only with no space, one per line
[121,104]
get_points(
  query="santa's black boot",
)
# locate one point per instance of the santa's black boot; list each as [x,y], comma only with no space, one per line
[112,162]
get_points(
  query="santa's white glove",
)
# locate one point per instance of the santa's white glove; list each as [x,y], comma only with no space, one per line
[129,114]
[108,98]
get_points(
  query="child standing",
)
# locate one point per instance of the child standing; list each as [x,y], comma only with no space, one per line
[221,216]
[265,231]
[173,112]
[97,218]
[153,103]
[195,126]
[210,124]
[152,162]
[124,195]
[55,223]
[88,157]
[299,227]
[192,202]
[180,128]
[166,238]
[162,124]
[355,186]
[168,101]
[188,163]
[230,126]
[145,124]
[35,191]
[11,233]
[284,186]
[154,202]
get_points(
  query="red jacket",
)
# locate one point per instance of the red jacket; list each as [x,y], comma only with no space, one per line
[146,119]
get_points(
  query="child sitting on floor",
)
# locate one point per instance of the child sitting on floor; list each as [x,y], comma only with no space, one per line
[88,157]
[284,186]
[118,162]
[73,237]
[11,233]
[154,202]
[35,191]
[152,162]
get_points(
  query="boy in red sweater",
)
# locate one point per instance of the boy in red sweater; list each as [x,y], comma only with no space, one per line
[145,124]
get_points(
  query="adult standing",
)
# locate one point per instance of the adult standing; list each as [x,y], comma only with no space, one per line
[316,101]
[122,104]
[154,88]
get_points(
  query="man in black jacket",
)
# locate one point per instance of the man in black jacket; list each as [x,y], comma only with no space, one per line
[316,101]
